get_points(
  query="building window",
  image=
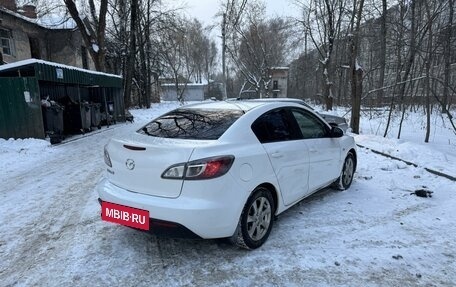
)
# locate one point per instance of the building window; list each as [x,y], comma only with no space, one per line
[6,41]
[35,50]
[275,85]
[84,57]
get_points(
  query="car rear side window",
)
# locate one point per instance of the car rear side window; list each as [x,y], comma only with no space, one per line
[275,126]
[198,124]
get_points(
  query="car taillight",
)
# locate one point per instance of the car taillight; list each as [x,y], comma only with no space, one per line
[107,159]
[206,168]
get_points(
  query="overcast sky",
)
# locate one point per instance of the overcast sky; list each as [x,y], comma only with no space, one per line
[205,10]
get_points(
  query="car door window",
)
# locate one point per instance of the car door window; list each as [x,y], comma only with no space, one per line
[275,126]
[309,125]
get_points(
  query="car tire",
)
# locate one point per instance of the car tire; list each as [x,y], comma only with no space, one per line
[346,176]
[256,220]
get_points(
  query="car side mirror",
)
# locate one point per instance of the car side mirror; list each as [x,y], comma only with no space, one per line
[337,132]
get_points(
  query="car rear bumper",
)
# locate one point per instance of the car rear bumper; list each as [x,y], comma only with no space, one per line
[166,228]
[214,216]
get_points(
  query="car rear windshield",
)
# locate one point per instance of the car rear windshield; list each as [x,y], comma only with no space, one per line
[198,124]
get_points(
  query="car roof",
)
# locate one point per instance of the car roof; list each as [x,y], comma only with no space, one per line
[285,100]
[246,105]
[274,100]
[225,105]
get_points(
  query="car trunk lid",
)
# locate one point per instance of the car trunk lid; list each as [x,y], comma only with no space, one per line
[139,162]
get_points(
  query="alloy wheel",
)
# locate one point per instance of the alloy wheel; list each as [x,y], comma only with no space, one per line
[348,171]
[259,218]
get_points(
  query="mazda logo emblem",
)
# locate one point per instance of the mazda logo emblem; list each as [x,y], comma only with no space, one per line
[130,164]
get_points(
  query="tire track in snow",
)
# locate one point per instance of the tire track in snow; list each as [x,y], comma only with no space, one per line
[58,211]
[61,216]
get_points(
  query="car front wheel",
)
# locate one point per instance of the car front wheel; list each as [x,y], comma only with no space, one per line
[256,220]
[348,171]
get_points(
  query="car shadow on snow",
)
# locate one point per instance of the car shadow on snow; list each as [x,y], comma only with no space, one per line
[170,247]
[193,259]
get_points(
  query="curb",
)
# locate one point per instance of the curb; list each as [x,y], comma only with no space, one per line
[435,172]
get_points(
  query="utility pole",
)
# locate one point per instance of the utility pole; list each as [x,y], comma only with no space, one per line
[224,55]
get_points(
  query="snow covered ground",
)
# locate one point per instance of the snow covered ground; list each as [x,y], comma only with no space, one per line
[374,234]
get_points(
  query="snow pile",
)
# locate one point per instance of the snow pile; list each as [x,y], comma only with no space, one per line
[24,146]
[439,154]
[420,154]
[146,115]
[442,136]
[17,154]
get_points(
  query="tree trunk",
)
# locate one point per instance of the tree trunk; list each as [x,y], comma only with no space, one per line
[409,63]
[327,85]
[142,63]
[328,73]
[101,39]
[143,71]
[428,72]
[123,37]
[148,56]
[224,95]
[357,90]
[399,41]
[130,65]
[381,79]
[357,71]
[447,57]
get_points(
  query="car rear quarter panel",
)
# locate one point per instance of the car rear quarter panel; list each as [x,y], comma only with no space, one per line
[251,168]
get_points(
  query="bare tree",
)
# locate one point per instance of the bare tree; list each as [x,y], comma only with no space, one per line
[382,59]
[117,36]
[151,20]
[400,61]
[448,34]
[357,70]
[231,12]
[197,48]
[409,63]
[131,55]
[175,55]
[432,10]
[262,47]
[210,58]
[322,20]
[254,45]
[399,40]
[403,73]
[93,32]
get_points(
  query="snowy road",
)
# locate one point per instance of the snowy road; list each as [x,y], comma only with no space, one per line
[375,234]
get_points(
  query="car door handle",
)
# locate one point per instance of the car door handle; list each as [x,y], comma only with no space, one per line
[277,155]
[312,150]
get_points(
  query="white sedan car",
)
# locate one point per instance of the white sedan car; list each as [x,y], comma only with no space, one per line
[222,169]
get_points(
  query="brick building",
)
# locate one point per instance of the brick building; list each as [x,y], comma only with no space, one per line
[24,36]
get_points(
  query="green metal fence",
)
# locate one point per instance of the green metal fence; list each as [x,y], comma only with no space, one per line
[20,109]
